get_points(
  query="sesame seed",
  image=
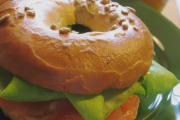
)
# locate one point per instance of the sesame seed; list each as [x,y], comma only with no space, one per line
[132,9]
[115,4]
[114,27]
[125,25]
[107,8]
[19,15]
[120,34]
[131,20]
[92,1]
[27,8]
[125,11]
[121,20]
[105,2]
[136,28]
[123,34]
[53,27]
[64,30]
[112,9]
[31,13]
[114,16]
[4,18]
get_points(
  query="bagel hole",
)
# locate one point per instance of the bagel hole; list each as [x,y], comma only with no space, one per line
[80,28]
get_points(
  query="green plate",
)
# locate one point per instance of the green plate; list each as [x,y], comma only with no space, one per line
[163,29]
[163,106]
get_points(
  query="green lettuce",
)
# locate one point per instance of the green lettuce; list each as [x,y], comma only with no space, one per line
[99,106]
[91,107]
[5,78]
[20,90]
[158,80]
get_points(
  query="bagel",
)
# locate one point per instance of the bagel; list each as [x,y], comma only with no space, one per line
[49,70]
[37,45]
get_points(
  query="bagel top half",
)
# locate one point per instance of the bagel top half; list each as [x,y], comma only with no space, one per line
[36,45]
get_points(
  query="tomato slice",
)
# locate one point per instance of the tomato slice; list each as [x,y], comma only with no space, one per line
[50,110]
[127,111]
[62,110]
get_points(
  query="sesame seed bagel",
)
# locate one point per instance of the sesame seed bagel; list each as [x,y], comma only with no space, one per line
[37,45]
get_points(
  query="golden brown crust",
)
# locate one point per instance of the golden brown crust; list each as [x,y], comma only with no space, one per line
[2,1]
[115,55]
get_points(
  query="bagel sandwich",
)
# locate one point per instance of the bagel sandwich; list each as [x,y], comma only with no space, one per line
[49,71]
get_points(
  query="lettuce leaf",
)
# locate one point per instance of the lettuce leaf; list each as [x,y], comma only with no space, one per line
[158,80]
[20,90]
[5,78]
[97,107]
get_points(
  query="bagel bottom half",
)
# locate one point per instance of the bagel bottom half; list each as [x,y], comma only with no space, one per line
[62,110]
